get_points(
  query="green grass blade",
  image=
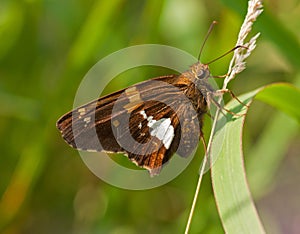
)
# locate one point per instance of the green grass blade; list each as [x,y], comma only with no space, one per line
[232,194]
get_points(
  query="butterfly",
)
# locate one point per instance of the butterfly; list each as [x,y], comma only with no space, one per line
[148,121]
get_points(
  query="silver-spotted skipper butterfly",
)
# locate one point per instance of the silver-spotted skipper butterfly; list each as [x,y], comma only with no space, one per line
[148,121]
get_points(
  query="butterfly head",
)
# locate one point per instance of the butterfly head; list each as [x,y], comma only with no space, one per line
[200,70]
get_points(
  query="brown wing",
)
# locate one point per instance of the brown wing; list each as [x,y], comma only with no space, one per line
[148,121]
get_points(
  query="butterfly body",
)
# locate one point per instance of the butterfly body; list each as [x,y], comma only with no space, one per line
[148,122]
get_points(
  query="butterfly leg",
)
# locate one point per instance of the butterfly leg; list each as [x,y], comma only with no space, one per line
[210,116]
[207,161]
[204,144]
[222,91]
[211,99]
[220,76]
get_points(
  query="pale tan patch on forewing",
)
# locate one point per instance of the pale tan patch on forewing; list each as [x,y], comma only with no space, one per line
[134,98]
[81,112]
[116,123]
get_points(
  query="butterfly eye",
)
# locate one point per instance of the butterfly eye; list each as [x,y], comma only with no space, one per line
[202,74]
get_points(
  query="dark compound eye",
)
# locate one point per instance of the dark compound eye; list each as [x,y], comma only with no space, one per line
[202,74]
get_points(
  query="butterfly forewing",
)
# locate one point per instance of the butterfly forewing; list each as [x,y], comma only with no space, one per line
[148,122]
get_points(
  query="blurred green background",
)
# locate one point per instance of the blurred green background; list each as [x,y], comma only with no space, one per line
[46,47]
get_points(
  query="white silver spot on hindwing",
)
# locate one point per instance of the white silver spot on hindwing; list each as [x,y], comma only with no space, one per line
[162,129]
[143,113]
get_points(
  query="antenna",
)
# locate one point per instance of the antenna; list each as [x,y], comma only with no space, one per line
[206,37]
[228,52]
